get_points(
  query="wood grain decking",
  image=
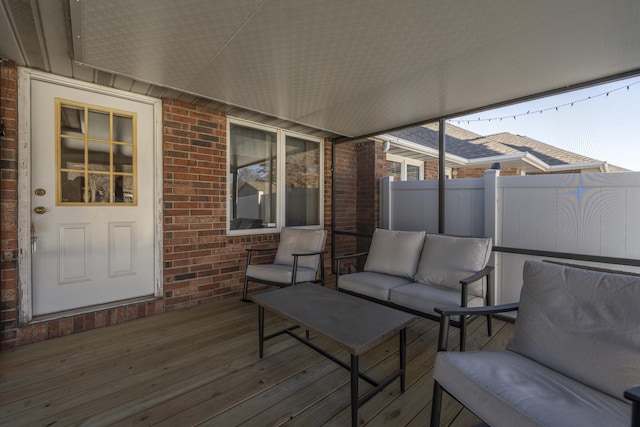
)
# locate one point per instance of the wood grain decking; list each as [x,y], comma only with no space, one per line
[200,366]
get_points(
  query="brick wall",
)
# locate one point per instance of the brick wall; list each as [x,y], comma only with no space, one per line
[9,207]
[200,262]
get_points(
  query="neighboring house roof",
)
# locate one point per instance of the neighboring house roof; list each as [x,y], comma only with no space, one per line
[468,149]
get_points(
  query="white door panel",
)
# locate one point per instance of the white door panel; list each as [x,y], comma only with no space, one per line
[84,254]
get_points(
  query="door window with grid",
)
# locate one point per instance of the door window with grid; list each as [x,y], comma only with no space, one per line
[96,155]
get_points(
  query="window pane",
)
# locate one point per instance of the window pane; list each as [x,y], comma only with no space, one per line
[122,158]
[72,187]
[98,125]
[71,120]
[253,168]
[123,129]
[394,169]
[99,156]
[99,187]
[302,182]
[413,173]
[71,153]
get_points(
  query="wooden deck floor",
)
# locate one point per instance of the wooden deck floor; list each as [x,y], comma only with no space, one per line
[200,366]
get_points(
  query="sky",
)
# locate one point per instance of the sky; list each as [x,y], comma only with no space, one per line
[597,125]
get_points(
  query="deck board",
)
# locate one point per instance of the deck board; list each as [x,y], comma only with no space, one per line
[200,366]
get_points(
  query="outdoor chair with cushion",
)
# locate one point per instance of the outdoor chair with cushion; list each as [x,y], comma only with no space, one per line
[573,359]
[299,258]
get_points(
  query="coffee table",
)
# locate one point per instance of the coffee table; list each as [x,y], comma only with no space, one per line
[354,324]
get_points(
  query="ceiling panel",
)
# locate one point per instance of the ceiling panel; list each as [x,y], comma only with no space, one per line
[350,68]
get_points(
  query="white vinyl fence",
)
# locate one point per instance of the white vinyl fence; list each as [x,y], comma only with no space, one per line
[584,214]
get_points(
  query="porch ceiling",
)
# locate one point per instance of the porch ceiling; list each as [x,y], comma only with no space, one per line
[332,67]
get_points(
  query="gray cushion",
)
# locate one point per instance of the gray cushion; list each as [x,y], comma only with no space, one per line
[374,285]
[584,324]
[394,252]
[507,389]
[300,240]
[425,298]
[280,273]
[445,260]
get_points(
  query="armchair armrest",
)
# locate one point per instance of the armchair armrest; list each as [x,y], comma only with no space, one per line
[446,312]
[341,257]
[633,394]
[250,251]
[309,253]
[260,249]
[477,276]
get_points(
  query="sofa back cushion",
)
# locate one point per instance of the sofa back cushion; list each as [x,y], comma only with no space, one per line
[394,252]
[300,240]
[446,260]
[583,324]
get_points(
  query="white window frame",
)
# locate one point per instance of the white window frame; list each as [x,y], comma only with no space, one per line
[404,161]
[281,137]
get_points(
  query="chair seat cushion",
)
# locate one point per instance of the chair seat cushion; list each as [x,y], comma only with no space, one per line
[278,273]
[507,389]
[374,285]
[425,298]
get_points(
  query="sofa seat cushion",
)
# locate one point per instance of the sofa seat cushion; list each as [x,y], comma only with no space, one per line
[374,285]
[394,252]
[425,298]
[445,260]
[280,273]
[507,389]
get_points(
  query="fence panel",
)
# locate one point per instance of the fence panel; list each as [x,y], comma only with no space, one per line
[584,214]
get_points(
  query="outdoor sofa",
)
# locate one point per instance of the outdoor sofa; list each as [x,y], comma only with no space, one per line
[573,359]
[417,271]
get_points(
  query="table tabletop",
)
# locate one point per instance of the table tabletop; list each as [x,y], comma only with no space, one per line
[353,323]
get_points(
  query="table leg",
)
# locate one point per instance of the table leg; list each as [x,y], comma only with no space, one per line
[403,357]
[261,330]
[354,390]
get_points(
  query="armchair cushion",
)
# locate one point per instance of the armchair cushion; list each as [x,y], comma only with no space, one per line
[300,240]
[445,260]
[581,323]
[395,253]
[507,389]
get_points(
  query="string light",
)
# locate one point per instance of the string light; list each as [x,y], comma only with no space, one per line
[557,107]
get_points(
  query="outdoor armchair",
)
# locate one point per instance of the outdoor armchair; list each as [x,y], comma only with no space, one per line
[299,258]
[573,360]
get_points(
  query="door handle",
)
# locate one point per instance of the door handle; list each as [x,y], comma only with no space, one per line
[40,210]
[34,245]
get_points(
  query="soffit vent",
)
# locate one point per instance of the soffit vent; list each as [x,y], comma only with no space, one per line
[24,25]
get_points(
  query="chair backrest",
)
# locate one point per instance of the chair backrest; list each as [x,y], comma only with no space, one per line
[445,260]
[582,323]
[300,240]
[394,252]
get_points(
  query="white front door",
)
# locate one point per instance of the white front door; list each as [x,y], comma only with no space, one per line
[92,197]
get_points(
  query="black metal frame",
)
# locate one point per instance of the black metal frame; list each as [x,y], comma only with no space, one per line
[632,394]
[294,271]
[462,325]
[352,367]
